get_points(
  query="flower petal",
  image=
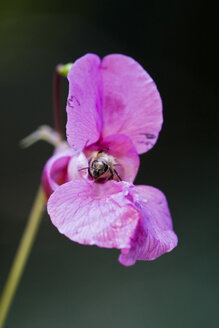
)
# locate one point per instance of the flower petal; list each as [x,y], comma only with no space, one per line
[84,104]
[132,104]
[55,171]
[94,214]
[154,234]
[78,167]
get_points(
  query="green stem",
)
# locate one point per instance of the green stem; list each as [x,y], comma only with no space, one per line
[22,255]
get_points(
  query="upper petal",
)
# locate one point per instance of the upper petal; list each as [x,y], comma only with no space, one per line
[154,234]
[84,104]
[132,104]
[92,213]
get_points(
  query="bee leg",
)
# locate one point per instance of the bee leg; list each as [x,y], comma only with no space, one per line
[111,171]
[83,168]
[90,172]
[117,175]
[89,168]
[102,151]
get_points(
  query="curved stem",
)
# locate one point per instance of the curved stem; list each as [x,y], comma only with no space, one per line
[22,255]
[57,114]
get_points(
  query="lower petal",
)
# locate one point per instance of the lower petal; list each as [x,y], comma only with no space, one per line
[94,214]
[154,234]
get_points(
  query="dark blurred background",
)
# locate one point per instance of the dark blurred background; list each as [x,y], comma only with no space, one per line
[69,285]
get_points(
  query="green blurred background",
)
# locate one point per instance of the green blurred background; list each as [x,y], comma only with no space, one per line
[69,285]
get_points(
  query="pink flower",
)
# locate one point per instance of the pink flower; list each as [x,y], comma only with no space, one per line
[114,113]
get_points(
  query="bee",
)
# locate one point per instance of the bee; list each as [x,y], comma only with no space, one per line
[101,167]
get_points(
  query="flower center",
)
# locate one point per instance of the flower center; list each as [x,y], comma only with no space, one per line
[102,167]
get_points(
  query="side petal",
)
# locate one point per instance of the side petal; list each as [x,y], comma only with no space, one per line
[55,171]
[154,234]
[84,104]
[94,214]
[132,104]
